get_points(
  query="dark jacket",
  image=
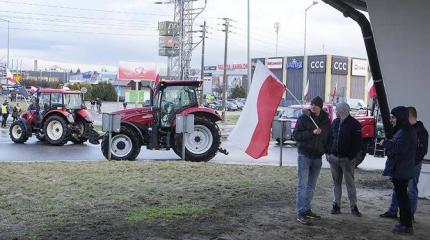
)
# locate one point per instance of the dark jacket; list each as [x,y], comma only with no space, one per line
[423,141]
[401,149]
[308,144]
[347,140]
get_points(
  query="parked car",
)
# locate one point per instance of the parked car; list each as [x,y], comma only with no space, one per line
[231,106]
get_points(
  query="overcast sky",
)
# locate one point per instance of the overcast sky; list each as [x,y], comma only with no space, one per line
[100,33]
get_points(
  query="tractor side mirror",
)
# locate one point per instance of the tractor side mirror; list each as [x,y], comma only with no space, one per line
[151,97]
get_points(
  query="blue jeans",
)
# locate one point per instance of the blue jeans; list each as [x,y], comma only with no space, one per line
[412,193]
[308,170]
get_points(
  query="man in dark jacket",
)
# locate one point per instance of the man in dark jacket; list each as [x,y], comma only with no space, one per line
[422,147]
[400,164]
[343,152]
[312,134]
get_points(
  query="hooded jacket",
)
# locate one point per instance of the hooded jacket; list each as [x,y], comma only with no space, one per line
[308,144]
[401,149]
[423,140]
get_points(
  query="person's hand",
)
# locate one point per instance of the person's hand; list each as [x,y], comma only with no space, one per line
[317,131]
[381,142]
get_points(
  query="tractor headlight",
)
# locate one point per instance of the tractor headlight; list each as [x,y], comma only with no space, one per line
[70,118]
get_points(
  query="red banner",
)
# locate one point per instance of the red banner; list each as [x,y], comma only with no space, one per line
[136,71]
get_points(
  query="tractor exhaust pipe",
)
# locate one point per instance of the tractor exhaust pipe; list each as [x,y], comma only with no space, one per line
[372,54]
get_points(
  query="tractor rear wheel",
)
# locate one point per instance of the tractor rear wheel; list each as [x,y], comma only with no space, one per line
[57,131]
[125,145]
[80,136]
[18,133]
[202,144]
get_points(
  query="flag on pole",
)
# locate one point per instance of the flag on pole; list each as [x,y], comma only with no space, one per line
[252,131]
[334,93]
[370,89]
[306,92]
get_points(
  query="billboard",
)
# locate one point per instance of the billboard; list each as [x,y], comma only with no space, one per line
[168,28]
[317,64]
[359,67]
[167,42]
[274,63]
[339,65]
[136,71]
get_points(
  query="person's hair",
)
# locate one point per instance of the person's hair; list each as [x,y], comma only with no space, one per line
[413,112]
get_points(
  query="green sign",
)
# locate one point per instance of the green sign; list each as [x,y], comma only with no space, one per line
[135,96]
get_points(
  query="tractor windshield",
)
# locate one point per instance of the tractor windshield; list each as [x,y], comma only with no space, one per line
[73,101]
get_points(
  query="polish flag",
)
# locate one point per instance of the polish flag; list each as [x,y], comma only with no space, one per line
[252,131]
[306,92]
[370,89]
[9,76]
[334,93]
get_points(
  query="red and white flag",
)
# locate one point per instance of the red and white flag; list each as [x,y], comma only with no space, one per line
[370,89]
[252,131]
[9,76]
[334,93]
[306,92]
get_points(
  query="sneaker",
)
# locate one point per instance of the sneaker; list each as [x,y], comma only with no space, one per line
[311,215]
[389,215]
[335,209]
[301,218]
[402,229]
[355,212]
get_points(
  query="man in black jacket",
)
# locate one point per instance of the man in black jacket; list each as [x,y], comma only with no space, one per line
[343,152]
[422,147]
[312,134]
[400,165]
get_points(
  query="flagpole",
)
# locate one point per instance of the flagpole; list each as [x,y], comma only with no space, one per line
[288,90]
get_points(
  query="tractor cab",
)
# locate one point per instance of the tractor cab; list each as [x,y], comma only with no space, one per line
[172,97]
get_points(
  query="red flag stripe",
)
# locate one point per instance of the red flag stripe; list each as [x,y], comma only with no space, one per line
[269,96]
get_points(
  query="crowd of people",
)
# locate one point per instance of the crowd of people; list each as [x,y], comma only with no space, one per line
[340,142]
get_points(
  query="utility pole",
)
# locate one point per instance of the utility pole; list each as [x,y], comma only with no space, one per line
[276,25]
[225,80]
[305,58]
[202,73]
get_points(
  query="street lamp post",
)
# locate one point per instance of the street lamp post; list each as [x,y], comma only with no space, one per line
[8,46]
[305,58]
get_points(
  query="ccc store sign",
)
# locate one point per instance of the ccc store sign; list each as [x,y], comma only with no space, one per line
[318,64]
[340,66]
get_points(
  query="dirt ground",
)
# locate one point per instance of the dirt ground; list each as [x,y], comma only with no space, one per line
[180,200]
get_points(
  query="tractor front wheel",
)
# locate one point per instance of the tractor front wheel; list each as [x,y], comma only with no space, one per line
[57,131]
[18,133]
[125,145]
[202,144]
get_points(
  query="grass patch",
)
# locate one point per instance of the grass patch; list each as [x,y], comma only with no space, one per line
[172,211]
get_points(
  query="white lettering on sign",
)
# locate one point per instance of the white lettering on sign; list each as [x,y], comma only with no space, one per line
[318,64]
[340,66]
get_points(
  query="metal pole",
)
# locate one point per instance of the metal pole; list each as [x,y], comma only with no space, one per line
[225,80]
[277,37]
[183,138]
[305,60]
[202,73]
[249,49]
[110,146]
[281,140]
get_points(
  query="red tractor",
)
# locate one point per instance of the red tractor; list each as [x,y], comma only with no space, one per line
[154,126]
[55,116]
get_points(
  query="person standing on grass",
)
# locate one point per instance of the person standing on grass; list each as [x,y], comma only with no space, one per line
[422,147]
[99,105]
[400,164]
[312,134]
[344,150]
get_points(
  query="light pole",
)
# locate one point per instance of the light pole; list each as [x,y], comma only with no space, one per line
[8,46]
[305,58]
[248,47]
[276,25]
